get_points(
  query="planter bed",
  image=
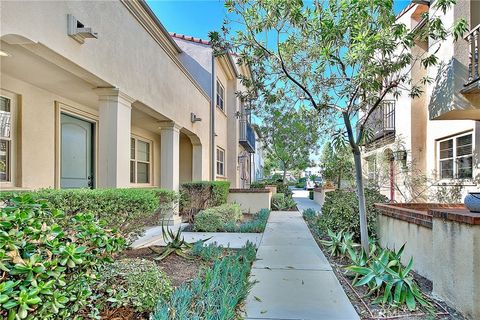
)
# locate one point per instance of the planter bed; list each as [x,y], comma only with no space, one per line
[180,270]
[365,306]
[248,224]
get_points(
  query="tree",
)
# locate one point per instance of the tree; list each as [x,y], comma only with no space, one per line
[289,136]
[336,163]
[344,57]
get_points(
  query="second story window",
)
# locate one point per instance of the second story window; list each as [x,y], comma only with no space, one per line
[220,96]
[456,157]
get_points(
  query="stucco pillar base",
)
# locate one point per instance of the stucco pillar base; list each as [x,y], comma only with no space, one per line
[114,138]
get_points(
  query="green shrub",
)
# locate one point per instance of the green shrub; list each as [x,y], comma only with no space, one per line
[208,221]
[47,258]
[257,224]
[229,212]
[281,202]
[340,212]
[136,283]
[310,194]
[309,214]
[258,185]
[128,210]
[215,293]
[197,196]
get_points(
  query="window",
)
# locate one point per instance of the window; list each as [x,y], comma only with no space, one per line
[139,161]
[456,157]
[220,162]
[5,140]
[220,96]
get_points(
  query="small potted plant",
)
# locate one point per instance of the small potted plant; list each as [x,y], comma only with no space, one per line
[472,201]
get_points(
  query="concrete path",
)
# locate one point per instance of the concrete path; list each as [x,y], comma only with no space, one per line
[303,202]
[153,237]
[293,278]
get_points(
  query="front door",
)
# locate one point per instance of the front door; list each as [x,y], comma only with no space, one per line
[76,169]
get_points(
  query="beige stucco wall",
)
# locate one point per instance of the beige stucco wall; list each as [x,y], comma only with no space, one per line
[251,202]
[393,233]
[60,69]
[185,159]
[456,279]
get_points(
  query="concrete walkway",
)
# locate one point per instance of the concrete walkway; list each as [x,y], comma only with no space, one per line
[153,237]
[303,202]
[293,278]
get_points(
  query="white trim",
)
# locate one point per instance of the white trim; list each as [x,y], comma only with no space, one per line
[217,161]
[13,152]
[454,157]
[135,160]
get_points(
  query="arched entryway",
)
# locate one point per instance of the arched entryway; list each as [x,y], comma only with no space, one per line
[190,157]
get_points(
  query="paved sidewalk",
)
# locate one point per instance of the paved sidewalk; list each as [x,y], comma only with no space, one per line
[153,237]
[294,279]
[303,202]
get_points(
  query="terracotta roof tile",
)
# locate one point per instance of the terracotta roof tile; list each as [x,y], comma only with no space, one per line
[189,38]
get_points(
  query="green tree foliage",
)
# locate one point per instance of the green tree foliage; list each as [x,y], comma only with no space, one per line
[337,164]
[342,56]
[290,136]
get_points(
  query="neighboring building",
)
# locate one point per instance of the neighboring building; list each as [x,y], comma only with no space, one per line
[258,163]
[233,137]
[98,94]
[437,134]
[312,171]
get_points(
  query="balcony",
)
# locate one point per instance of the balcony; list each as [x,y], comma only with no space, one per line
[473,84]
[381,122]
[247,136]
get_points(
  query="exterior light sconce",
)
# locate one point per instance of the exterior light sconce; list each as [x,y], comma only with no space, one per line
[238,114]
[401,155]
[78,31]
[194,118]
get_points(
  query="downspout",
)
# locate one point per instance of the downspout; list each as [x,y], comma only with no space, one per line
[212,122]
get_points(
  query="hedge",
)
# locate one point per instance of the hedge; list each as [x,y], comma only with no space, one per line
[213,219]
[128,210]
[200,195]
[340,211]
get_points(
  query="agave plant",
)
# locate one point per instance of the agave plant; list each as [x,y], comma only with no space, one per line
[175,243]
[333,245]
[348,245]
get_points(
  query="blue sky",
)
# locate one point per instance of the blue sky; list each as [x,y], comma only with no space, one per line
[198,17]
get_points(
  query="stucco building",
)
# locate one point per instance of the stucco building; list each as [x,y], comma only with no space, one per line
[99,94]
[431,144]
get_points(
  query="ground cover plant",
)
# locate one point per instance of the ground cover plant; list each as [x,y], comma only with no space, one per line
[48,260]
[215,293]
[128,210]
[214,221]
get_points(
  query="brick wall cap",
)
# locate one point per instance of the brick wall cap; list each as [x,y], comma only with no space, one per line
[249,191]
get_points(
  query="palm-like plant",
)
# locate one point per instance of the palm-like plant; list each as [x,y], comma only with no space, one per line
[333,245]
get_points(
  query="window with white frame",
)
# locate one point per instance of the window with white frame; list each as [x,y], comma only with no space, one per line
[456,157]
[139,161]
[6,139]
[220,96]
[220,161]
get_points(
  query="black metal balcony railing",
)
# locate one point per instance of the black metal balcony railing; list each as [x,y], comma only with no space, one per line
[381,122]
[247,136]
[473,45]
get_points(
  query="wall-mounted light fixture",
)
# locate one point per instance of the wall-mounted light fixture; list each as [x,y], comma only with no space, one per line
[401,155]
[194,118]
[78,31]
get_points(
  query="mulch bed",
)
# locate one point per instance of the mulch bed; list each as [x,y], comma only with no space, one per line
[178,269]
[364,305]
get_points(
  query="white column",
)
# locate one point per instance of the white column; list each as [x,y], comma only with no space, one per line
[114,138]
[197,164]
[170,156]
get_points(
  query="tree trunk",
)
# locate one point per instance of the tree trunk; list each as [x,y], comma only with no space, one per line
[284,175]
[359,181]
[339,180]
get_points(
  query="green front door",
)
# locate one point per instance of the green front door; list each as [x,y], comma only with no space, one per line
[76,169]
